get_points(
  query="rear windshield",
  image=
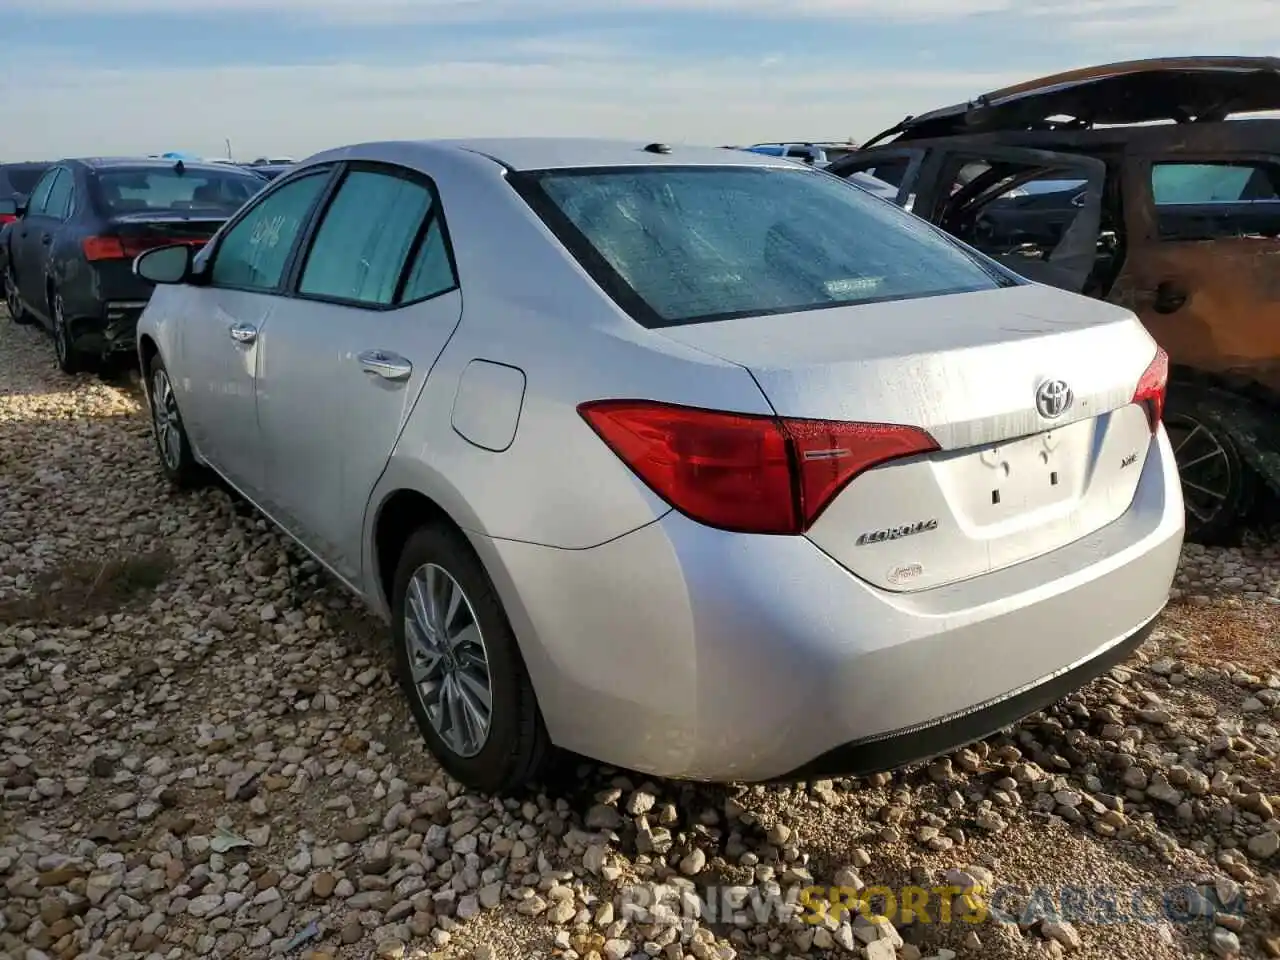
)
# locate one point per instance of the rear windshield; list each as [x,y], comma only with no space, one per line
[23,179]
[686,244]
[143,190]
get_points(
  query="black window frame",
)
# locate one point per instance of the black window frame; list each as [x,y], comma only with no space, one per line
[434,213]
[326,171]
[528,185]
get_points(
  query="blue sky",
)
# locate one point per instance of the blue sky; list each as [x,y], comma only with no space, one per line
[295,76]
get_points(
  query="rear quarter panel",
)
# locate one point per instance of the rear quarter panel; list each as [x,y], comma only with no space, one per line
[528,305]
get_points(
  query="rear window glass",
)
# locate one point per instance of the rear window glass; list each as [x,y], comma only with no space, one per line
[1206,183]
[143,190]
[23,179]
[684,244]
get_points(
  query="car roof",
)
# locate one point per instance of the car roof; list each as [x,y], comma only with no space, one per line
[547,153]
[1129,92]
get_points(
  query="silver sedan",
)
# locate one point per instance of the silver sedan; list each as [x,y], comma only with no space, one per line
[695,461]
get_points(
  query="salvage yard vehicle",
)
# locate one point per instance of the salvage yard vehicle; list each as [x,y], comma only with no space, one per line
[67,260]
[16,182]
[1138,183]
[727,471]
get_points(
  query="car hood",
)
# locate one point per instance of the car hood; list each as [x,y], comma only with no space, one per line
[1134,91]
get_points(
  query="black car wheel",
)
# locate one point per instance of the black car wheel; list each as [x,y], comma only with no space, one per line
[70,360]
[174,449]
[13,303]
[460,666]
[1217,485]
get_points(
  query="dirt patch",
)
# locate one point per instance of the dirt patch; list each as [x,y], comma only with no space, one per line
[1240,631]
[81,590]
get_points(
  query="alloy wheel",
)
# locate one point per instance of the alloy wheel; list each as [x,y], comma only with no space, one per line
[12,301]
[60,345]
[448,660]
[1204,466]
[164,418]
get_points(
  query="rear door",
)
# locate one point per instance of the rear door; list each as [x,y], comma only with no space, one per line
[1037,212]
[345,354]
[31,240]
[1201,269]
[223,320]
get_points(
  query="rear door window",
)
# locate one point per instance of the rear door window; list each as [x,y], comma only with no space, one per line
[58,204]
[254,253]
[377,221]
[36,204]
[1207,201]
[685,244]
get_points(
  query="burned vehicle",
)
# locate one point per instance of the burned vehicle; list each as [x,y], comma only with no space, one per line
[1140,183]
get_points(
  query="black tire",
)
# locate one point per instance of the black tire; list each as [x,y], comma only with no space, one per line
[517,747]
[13,303]
[70,360]
[179,464]
[1218,487]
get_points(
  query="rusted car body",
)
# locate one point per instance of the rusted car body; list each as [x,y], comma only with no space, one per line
[1073,180]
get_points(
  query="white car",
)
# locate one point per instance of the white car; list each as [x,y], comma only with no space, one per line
[699,462]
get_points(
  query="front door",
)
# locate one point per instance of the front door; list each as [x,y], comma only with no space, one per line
[896,167]
[1037,212]
[1201,270]
[32,236]
[346,353]
[220,332]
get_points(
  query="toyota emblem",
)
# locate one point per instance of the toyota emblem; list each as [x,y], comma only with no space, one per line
[1053,399]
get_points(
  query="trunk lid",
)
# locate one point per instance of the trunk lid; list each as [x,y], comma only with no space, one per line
[1008,483]
[154,228]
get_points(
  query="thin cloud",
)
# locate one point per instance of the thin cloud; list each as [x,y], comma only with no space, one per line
[322,105]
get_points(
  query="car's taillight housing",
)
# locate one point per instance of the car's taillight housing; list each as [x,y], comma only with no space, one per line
[126,248]
[7,218]
[1152,387]
[746,473]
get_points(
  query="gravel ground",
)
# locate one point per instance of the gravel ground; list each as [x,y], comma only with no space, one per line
[202,754]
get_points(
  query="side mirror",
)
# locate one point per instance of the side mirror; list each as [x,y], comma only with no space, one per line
[171,264]
[8,208]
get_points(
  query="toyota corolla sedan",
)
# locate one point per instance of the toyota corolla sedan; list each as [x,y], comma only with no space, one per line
[695,461]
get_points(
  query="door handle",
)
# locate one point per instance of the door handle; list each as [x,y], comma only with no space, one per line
[243,333]
[45,238]
[389,366]
[1169,298]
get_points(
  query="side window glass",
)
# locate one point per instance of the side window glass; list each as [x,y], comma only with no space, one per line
[253,253]
[365,238]
[59,199]
[1179,183]
[39,196]
[431,272]
[1208,201]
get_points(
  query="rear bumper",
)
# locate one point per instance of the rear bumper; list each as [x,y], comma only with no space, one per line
[110,332]
[681,651]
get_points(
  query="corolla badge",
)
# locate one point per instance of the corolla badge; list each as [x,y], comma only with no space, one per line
[1053,398]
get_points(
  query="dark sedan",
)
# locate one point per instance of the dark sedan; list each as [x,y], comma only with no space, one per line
[68,258]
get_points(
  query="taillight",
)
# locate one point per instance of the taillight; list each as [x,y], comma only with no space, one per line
[126,248]
[745,472]
[1152,387]
[6,218]
[103,248]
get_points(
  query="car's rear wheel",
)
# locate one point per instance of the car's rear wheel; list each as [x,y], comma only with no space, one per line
[1217,485]
[460,666]
[174,449]
[13,302]
[70,360]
